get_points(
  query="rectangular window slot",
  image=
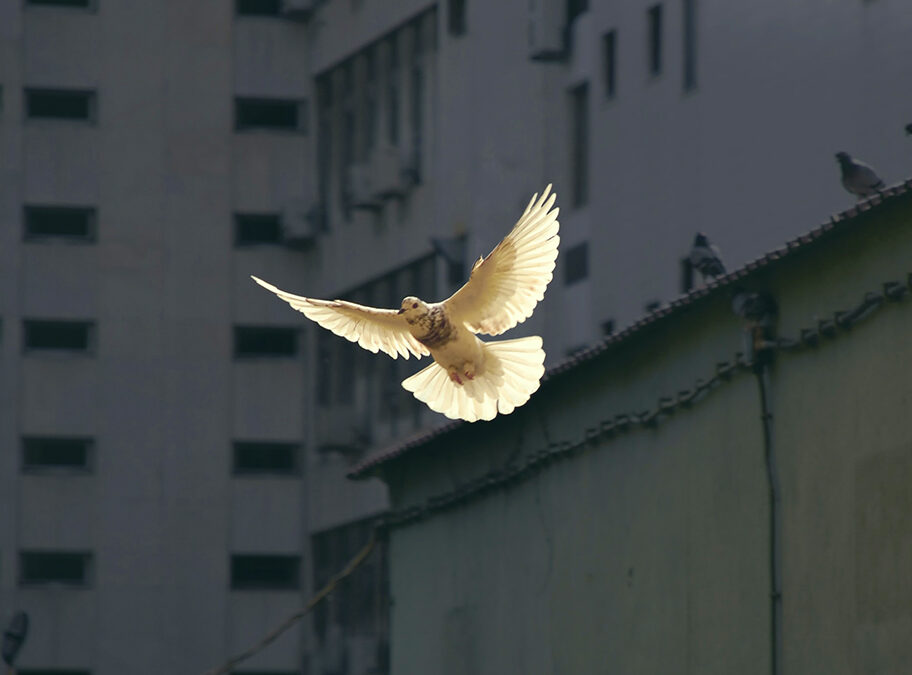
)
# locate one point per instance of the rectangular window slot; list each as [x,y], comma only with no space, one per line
[392,92]
[55,671]
[609,56]
[579,100]
[78,4]
[687,275]
[576,263]
[265,457]
[364,597]
[265,572]
[690,44]
[74,223]
[60,104]
[257,228]
[40,453]
[456,19]
[654,20]
[39,568]
[258,7]
[269,114]
[252,341]
[52,335]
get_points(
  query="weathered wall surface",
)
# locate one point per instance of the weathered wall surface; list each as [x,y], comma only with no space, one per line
[649,552]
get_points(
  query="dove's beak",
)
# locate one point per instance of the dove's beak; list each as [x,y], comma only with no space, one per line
[401,310]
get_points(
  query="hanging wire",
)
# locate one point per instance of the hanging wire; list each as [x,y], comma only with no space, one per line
[292,619]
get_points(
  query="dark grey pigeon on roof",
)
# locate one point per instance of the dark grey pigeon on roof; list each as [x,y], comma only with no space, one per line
[857,177]
[704,257]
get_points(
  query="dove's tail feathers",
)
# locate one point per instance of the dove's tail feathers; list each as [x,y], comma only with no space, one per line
[511,373]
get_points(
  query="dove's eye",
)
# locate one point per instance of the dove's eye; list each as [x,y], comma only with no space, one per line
[414,305]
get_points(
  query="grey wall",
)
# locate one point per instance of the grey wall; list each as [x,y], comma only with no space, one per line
[649,552]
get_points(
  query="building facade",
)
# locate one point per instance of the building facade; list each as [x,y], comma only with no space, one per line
[175,441]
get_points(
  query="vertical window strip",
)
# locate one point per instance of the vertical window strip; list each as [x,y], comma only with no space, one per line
[690,44]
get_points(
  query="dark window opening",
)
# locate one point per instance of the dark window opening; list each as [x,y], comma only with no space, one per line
[258,7]
[417,126]
[579,165]
[52,671]
[575,8]
[324,368]
[609,56]
[363,598]
[690,44]
[576,263]
[60,104]
[57,335]
[654,19]
[39,453]
[64,222]
[687,275]
[41,568]
[369,118]
[392,93]
[265,457]
[456,17]
[324,143]
[82,4]
[265,341]
[271,114]
[257,228]
[265,572]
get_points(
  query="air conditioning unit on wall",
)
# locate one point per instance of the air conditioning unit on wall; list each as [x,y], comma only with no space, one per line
[298,10]
[360,187]
[302,222]
[386,171]
[547,22]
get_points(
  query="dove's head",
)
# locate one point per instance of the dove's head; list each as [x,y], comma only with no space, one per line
[413,307]
[843,158]
[701,240]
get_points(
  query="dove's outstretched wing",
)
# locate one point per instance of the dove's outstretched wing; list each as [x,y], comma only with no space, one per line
[374,329]
[504,288]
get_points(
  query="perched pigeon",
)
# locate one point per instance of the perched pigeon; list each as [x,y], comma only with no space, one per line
[857,177]
[704,257]
[469,379]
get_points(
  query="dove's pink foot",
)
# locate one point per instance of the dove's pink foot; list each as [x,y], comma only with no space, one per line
[454,375]
[468,369]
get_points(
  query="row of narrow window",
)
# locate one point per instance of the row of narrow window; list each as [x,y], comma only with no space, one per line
[77,454]
[66,335]
[75,569]
[84,671]
[80,224]
[655,30]
[250,113]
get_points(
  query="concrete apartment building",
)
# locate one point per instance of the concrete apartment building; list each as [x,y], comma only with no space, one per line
[175,440]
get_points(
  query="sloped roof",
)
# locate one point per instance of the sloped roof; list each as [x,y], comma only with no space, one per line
[838,222]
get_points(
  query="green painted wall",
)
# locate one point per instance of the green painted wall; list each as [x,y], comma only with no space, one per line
[649,552]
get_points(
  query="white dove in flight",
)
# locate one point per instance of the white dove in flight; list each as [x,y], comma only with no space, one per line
[469,379]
